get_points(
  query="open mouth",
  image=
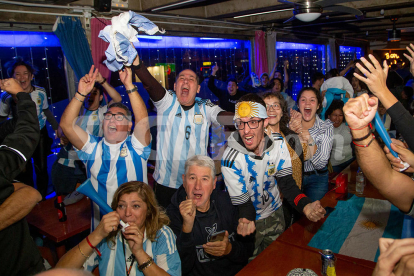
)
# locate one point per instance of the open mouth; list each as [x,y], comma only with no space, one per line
[248,140]
[197,196]
[185,91]
[308,111]
[112,129]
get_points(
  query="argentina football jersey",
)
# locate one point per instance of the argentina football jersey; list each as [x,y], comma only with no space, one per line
[110,165]
[182,133]
[90,120]
[248,176]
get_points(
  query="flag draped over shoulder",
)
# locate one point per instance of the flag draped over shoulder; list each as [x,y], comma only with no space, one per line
[355,226]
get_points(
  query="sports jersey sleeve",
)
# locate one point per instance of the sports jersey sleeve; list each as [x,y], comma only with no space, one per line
[212,112]
[143,151]
[165,102]
[284,166]
[166,255]
[323,140]
[45,104]
[86,153]
[234,177]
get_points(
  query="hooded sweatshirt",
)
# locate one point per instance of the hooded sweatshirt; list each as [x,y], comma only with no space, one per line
[253,181]
[222,215]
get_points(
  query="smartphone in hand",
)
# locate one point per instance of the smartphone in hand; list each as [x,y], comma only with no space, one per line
[218,236]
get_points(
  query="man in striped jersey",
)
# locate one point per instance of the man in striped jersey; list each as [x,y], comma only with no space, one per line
[253,165]
[183,122]
[117,157]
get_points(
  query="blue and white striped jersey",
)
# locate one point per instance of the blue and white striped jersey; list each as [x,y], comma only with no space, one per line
[163,251]
[322,134]
[91,120]
[248,176]
[181,134]
[38,96]
[110,165]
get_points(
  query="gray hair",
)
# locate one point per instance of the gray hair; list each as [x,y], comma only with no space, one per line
[201,161]
[124,107]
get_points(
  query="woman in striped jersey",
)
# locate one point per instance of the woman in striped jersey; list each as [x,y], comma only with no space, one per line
[146,247]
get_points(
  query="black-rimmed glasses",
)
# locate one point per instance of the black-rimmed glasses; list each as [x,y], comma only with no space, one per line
[252,124]
[118,116]
[273,106]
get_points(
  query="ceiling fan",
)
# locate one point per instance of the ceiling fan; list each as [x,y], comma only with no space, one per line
[308,10]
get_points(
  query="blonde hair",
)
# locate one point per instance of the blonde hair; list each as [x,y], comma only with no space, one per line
[156,217]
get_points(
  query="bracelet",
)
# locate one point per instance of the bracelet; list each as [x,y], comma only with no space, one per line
[77,99]
[104,80]
[146,264]
[365,146]
[81,94]
[132,90]
[136,67]
[82,252]
[93,247]
[362,138]
[370,126]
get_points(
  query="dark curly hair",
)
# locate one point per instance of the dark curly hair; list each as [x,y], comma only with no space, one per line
[317,94]
[336,104]
[272,83]
[284,120]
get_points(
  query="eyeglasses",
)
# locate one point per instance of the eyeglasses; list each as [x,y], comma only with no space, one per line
[252,124]
[273,106]
[118,116]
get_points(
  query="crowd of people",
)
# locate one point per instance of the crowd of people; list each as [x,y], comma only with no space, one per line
[275,165]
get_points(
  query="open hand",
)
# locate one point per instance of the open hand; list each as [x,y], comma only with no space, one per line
[376,76]
[410,49]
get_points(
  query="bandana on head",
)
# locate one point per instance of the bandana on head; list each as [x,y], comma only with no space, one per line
[250,109]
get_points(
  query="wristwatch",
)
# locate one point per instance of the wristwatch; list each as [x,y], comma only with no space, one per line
[132,90]
[312,143]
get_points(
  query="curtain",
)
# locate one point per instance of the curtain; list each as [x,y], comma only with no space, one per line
[331,62]
[260,52]
[271,51]
[99,46]
[74,44]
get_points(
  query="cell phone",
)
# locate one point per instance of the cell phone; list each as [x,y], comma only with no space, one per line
[218,236]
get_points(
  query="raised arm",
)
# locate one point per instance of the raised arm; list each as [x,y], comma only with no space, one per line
[395,186]
[153,87]
[272,74]
[115,96]
[141,129]
[76,135]
[18,204]
[376,80]
[285,72]
[211,85]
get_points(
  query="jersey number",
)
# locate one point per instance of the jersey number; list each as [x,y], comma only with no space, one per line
[187,132]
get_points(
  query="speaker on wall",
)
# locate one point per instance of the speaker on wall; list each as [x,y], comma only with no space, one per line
[102,5]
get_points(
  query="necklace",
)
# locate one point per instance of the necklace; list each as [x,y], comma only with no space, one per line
[133,258]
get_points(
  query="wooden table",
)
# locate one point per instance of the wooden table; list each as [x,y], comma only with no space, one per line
[291,249]
[44,219]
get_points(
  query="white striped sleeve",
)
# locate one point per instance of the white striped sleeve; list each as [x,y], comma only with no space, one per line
[166,255]
[324,140]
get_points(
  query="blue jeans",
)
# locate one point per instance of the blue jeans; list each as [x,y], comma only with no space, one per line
[315,186]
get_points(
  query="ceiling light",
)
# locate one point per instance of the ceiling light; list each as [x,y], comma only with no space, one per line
[394,35]
[259,13]
[308,17]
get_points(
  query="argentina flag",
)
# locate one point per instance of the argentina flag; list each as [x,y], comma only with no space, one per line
[355,226]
